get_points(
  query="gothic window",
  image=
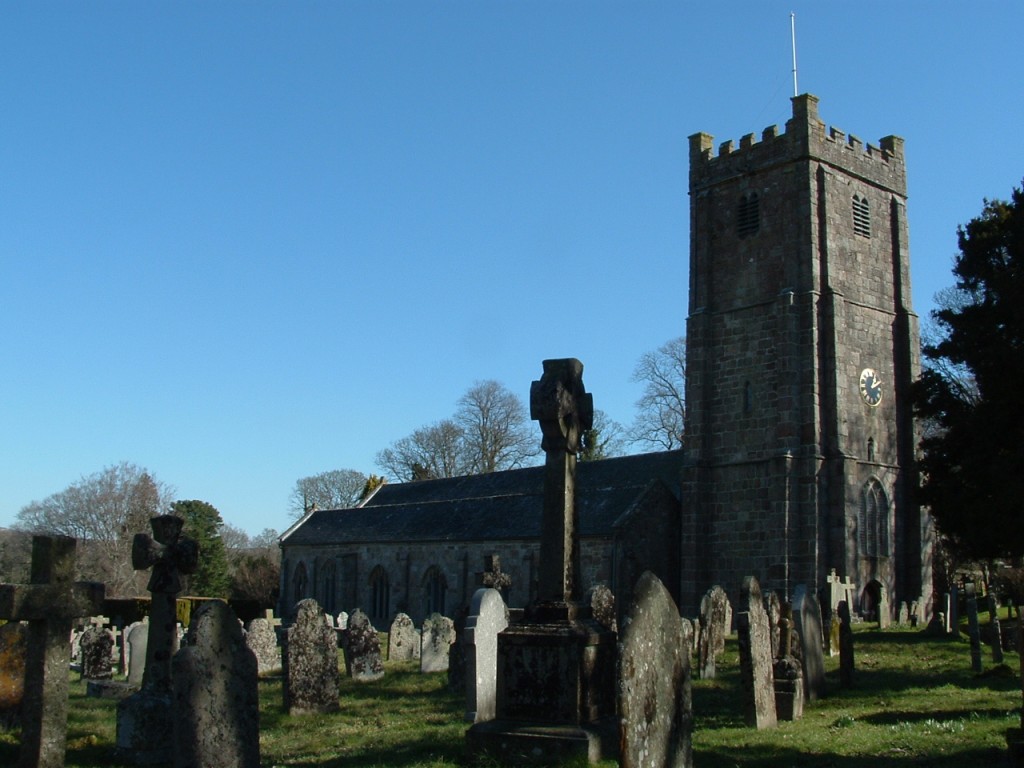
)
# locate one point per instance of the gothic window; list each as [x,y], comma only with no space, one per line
[871,449]
[874,520]
[380,595]
[748,215]
[861,216]
[328,587]
[300,583]
[434,588]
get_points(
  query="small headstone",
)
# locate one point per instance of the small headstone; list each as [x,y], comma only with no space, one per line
[437,635]
[262,641]
[904,617]
[343,620]
[13,652]
[96,646]
[602,603]
[310,662]
[807,617]
[654,681]
[362,649]
[845,645]
[216,695]
[884,611]
[715,616]
[973,629]
[953,616]
[403,639]
[137,642]
[756,658]
[487,617]
[995,628]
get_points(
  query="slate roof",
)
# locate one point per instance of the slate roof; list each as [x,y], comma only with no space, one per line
[499,505]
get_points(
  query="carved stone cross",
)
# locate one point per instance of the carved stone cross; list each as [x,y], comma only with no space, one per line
[493,576]
[49,604]
[565,411]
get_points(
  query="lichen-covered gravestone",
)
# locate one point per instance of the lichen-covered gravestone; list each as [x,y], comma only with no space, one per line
[97,643]
[654,681]
[488,615]
[362,649]
[807,617]
[216,695]
[787,671]
[756,658]
[262,641]
[714,615]
[403,639]
[310,662]
[436,637]
[602,604]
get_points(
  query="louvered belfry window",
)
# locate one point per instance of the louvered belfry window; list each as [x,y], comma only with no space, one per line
[748,215]
[861,216]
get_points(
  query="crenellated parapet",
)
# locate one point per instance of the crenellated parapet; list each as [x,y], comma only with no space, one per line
[806,137]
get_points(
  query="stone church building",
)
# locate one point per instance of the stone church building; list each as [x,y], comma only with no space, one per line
[799,451]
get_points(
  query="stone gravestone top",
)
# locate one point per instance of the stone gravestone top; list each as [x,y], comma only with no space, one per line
[488,615]
[403,639]
[655,700]
[807,617]
[756,658]
[493,576]
[602,604]
[310,662]
[96,644]
[362,649]
[48,603]
[261,639]
[437,635]
[216,695]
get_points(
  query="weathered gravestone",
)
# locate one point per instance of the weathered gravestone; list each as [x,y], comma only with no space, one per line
[655,700]
[97,643]
[488,615]
[973,629]
[310,662]
[787,671]
[995,629]
[436,637]
[715,612]
[756,657]
[884,610]
[807,617]
[556,669]
[13,653]
[48,603]
[216,695]
[774,608]
[845,644]
[137,640]
[262,641]
[903,619]
[403,639]
[495,578]
[602,604]
[343,620]
[143,733]
[363,661]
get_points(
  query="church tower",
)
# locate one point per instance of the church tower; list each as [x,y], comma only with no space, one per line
[801,347]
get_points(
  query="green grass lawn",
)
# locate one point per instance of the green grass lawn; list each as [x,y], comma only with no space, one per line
[916,703]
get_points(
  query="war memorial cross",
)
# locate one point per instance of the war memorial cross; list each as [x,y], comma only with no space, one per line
[48,604]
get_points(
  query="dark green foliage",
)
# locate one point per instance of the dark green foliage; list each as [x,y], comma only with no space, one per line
[203,523]
[973,463]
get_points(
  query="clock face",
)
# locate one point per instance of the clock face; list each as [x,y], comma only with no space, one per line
[870,387]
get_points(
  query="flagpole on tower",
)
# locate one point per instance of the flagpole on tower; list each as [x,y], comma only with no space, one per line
[792,33]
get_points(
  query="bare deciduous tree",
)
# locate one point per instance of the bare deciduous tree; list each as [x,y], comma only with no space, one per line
[661,409]
[496,429]
[334,489]
[429,452]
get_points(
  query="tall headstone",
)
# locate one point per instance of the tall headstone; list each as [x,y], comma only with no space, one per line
[845,644]
[310,662]
[556,669]
[403,639]
[488,616]
[655,701]
[774,608]
[787,671]
[362,649]
[715,617]
[973,628]
[216,695]
[756,658]
[261,639]
[995,628]
[143,735]
[807,617]
[884,611]
[49,603]
[436,638]
[137,640]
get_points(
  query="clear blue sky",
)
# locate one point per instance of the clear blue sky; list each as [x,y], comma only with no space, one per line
[242,243]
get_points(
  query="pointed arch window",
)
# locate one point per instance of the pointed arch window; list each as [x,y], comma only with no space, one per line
[861,216]
[748,215]
[329,587]
[434,588]
[300,583]
[380,595]
[874,520]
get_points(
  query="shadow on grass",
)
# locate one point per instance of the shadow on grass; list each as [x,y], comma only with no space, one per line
[894,717]
[778,757]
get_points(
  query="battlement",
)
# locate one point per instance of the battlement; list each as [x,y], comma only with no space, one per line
[805,137]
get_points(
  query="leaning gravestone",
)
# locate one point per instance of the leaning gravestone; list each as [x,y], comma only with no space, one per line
[974,631]
[362,649]
[487,617]
[654,681]
[436,637]
[756,657]
[807,617]
[310,662]
[48,603]
[216,694]
[715,612]
[96,645]
[262,641]
[403,639]
[13,652]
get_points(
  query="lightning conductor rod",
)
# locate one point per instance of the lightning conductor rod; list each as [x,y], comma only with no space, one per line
[792,34]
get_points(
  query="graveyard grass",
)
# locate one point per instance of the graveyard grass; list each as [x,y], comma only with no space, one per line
[915,703]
